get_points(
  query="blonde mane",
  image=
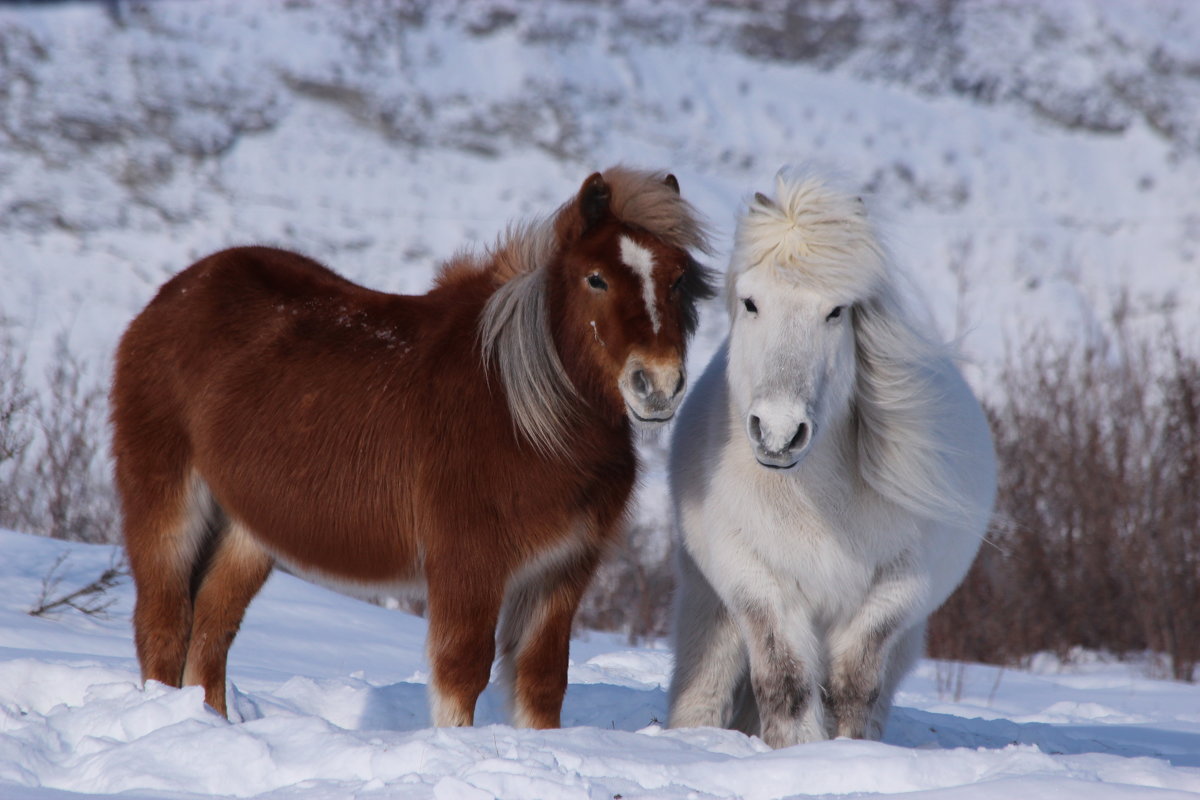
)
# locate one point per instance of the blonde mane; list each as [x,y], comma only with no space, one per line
[812,233]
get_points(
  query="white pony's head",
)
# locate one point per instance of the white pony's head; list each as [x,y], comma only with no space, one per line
[804,262]
[823,338]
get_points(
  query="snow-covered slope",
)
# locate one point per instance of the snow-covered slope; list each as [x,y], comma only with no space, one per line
[330,702]
[1034,158]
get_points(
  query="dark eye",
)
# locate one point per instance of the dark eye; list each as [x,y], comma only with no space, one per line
[596,282]
[749,304]
[837,312]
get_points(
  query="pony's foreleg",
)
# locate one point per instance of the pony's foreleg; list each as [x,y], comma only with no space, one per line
[236,571]
[785,669]
[861,675]
[710,658]
[535,638]
[464,605]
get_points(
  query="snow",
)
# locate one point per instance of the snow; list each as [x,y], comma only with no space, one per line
[132,142]
[328,701]
[137,138]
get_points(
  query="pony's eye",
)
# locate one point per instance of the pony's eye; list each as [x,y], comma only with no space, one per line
[749,304]
[837,312]
[596,282]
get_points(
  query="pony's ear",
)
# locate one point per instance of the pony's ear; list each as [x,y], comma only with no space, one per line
[762,200]
[593,200]
[672,182]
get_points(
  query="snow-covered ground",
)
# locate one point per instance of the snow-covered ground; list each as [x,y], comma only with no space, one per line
[1034,159]
[330,703]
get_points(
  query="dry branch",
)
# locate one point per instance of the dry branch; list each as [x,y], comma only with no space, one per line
[88,599]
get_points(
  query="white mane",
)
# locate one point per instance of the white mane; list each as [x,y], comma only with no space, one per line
[819,235]
[515,334]
[812,233]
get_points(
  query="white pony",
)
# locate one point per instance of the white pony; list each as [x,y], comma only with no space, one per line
[832,477]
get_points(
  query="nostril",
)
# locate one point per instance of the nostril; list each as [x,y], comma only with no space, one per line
[800,439]
[641,383]
[678,385]
[755,429]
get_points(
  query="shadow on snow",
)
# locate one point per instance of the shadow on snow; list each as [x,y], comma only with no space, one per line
[404,707]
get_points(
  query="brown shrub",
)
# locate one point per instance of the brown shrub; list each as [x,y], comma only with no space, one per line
[15,423]
[631,592]
[1097,539]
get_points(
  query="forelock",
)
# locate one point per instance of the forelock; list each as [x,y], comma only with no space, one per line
[814,233]
[643,199]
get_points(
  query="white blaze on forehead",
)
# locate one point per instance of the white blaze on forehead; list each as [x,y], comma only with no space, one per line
[641,261]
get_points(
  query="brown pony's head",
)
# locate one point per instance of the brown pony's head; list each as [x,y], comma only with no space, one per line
[595,305]
[622,292]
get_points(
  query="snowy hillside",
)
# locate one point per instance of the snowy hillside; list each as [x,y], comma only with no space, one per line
[331,701]
[1034,158]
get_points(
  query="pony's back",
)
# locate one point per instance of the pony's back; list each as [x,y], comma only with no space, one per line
[241,377]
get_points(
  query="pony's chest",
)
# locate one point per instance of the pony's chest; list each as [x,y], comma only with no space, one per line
[828,567]
[803,538]
[819,535]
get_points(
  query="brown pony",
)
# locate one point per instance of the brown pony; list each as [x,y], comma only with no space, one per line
[475,441]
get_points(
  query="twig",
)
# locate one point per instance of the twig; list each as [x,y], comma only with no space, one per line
[995,687]
[87,599]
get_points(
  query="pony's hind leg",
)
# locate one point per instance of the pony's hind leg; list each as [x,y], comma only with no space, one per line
[710,658]
[165,525]
[535,635]
[907,650]
[236,570]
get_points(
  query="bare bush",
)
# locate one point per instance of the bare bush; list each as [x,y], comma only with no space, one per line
[1097,543]
[14,421]
[1098,539]
[631,592]
[57,482]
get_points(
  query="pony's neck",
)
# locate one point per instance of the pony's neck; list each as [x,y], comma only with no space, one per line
[832,458]
[594,401]
[580,353]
